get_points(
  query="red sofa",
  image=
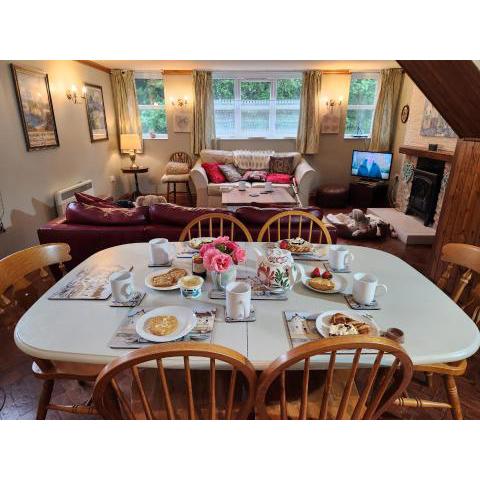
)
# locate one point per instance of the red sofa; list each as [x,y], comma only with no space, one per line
[89,229]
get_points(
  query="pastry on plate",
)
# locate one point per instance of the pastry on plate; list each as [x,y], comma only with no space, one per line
[341,324]
[296,245]
[168,279]
[321,284]
[197,243]
[162,325]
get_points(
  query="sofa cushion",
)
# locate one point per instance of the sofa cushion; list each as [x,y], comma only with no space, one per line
[255,176]
[281,165]
[87,199]
[230,172]
[216,156]
[297,157]
[258,215]
[214,173]
[282,178]
[168,213]
[82,214]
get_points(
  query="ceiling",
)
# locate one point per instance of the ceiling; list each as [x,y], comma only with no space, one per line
[263,65]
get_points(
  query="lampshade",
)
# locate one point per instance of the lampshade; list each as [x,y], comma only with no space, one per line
[130,141]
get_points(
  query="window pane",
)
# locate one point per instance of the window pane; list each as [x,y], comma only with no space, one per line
[255,91]
[225,122]
[223,89]
[289,89]
[154,121]
[362,91]
[286,122]
[150,91]
[255,123]
[359,122]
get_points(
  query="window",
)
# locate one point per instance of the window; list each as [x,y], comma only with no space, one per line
[151,103]
[361,105]
[256,104]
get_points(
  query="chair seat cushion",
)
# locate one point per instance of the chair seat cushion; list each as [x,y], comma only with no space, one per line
[175,178]
[176,168]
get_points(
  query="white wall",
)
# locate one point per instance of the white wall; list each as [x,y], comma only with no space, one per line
[28,180]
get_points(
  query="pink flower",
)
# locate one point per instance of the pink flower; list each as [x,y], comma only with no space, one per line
[205,247]
[217,261]
[239,255]
[219,240]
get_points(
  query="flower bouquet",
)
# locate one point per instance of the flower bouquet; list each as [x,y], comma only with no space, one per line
[219,258]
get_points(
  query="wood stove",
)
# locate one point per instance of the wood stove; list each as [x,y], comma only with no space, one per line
[426,183]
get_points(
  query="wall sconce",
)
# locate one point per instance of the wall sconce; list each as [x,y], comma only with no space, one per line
[331,103]
[73,96]
[179,102]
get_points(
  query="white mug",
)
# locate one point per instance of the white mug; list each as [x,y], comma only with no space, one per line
[238,300]
[242,185]
[121,283]
[366,287]
[160,253]
[268,186]
[339,257]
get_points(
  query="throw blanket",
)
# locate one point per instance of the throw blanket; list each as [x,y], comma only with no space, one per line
[251,160]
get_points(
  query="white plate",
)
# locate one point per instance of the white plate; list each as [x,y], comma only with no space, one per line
[199,242]
[339,281]
[186,323]
[323,321]
[310,252]
[149,277]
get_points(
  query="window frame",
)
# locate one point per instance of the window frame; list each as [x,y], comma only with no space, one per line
[255,76]
[368,75]
[152,76]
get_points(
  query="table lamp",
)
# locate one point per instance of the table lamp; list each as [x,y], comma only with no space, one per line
[130,143]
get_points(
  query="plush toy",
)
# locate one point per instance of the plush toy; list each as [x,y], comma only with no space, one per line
[361,225]
[147,200]
[357,224]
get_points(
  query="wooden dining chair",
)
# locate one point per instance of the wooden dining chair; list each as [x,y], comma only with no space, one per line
[226,393]
[173,179]
[304,225]
[338,394]
[457,256]
[13,272]
[215,224]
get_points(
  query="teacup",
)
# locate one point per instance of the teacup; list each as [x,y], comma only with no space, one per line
[191,286]
[121,283]
[238,300]
[242,185]
[339,257]
[366,287]
[160,252]
[268,186]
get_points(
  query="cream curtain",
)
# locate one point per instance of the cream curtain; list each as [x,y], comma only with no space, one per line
[385,111]
[308,135]
[203,131]
[125,99]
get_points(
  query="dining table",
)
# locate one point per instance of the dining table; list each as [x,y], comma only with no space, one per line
[435,329]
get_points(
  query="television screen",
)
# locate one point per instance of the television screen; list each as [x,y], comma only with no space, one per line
[374,165]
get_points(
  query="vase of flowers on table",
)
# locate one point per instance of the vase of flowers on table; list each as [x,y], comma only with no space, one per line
[220,258]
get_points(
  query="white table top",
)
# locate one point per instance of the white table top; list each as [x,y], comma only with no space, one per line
[436,329]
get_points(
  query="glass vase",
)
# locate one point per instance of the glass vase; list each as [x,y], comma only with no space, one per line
[221,280]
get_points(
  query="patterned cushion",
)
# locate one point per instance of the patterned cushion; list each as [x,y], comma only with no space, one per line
[255,176]
[251,159]
[279,178]
[282,165]
[214,173]
[176,168]
[230,172]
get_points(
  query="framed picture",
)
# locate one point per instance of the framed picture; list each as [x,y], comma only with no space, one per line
[35,106]
[433,124]
[331,123]
[97,121]
[405,114]
[181,122]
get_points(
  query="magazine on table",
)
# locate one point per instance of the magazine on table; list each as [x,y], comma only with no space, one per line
[91,283]
[126,335]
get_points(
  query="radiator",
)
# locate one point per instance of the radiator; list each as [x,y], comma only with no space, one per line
[66,195]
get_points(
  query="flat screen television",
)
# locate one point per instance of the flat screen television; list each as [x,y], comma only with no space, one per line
[371,165]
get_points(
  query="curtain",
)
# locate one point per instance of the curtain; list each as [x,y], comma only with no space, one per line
[385,111]
[125,99]
[308,135]
[203,131]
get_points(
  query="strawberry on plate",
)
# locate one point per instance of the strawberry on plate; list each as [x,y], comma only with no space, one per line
[316,273]
[283,244]
[327,275]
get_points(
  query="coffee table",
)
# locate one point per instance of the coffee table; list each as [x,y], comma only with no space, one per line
[278,196]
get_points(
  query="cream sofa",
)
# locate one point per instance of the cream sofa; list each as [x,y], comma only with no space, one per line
[210,195]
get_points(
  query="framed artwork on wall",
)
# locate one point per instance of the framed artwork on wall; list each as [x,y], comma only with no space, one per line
[97,120]
[182,122]
[433,124]
[331,122]
[35,107]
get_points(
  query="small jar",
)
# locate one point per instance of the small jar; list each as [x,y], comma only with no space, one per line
[197,266]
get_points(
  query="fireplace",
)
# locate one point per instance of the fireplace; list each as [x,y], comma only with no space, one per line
[427,179]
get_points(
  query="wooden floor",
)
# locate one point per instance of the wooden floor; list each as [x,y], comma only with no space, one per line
[21,389]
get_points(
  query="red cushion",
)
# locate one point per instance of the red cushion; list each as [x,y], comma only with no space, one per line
[170,214]
[92,200]
[279,178]
[214,173]
[93,215]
